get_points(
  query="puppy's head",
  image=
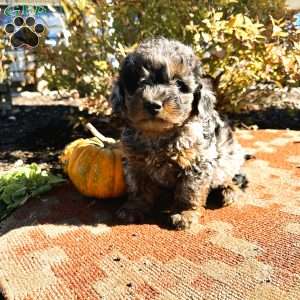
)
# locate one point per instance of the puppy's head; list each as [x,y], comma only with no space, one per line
[160,86]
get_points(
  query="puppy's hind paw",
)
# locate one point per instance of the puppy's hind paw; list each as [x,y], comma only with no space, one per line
[184,220]
[241,181]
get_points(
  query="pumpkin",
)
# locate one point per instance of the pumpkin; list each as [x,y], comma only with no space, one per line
[95,166]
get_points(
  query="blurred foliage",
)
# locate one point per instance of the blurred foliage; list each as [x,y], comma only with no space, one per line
[5,59]
[256,9]
[81,61]
[238,39]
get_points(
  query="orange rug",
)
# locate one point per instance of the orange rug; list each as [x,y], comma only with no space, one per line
[65,246]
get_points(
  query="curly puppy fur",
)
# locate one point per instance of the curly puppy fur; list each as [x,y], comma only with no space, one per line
[175,143]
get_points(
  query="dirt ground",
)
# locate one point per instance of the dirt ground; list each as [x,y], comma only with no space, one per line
[38,127]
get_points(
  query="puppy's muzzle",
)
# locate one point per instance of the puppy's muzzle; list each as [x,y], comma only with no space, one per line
[152,108]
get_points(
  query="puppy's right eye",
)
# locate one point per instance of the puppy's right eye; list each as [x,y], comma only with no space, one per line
[182,86]
[143,81]
[131,88]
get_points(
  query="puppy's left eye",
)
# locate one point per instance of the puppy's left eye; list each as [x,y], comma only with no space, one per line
[182,86]
[144,82]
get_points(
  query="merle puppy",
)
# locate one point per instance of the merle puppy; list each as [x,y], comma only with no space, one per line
[176,146]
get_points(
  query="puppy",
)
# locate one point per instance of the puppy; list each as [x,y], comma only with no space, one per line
[176,146]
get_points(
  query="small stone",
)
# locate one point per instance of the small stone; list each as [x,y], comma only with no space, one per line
[12,118]
[19,163]
[116,258]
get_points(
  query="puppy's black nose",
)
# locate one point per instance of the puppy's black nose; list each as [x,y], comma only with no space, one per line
[153,108]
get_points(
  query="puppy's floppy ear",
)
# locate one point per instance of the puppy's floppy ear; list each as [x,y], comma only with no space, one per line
[131,71]
[204,97]
[117,97]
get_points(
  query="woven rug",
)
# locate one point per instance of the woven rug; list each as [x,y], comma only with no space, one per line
[66,246]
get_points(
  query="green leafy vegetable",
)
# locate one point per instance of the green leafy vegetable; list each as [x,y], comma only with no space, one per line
[21,183]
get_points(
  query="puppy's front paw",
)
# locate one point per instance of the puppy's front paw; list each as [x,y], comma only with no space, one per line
[187,219]
[228,195]
[130,215]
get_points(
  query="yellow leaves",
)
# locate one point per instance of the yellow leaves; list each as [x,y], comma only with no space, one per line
[218,16]
[296,46]
[291,63]
[297,57]
[206,37]
[288,62]
[191,27]
[5,58]
[278,32]
[87,78]
[207,22]
[243,28]
[64,72]
[196,38]
[81,4]
[236,21]
[240,34]
[216,29]
[101,64]
[240,46]
[226,2]
[278,28]
[278,55]
[242,21]
[123,51]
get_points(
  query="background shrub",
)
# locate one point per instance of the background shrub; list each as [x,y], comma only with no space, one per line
[4,58]
[246,52]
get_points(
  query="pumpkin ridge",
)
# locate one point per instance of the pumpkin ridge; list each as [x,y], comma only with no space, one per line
[119,177]
[83,186]
[95,170]
[114,171]
[66,155]
[89,181]
[73,161]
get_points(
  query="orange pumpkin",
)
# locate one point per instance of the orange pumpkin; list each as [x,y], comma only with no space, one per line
[95,167]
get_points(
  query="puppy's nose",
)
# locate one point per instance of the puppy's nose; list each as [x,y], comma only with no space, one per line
[153,108]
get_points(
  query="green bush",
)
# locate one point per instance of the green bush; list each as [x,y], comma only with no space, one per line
[237,38]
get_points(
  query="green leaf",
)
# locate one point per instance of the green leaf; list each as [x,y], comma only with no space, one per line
[19,184]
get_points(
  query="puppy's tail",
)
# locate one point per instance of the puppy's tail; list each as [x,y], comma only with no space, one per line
[241,181]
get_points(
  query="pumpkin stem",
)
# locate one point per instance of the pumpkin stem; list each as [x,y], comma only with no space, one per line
[99,135]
